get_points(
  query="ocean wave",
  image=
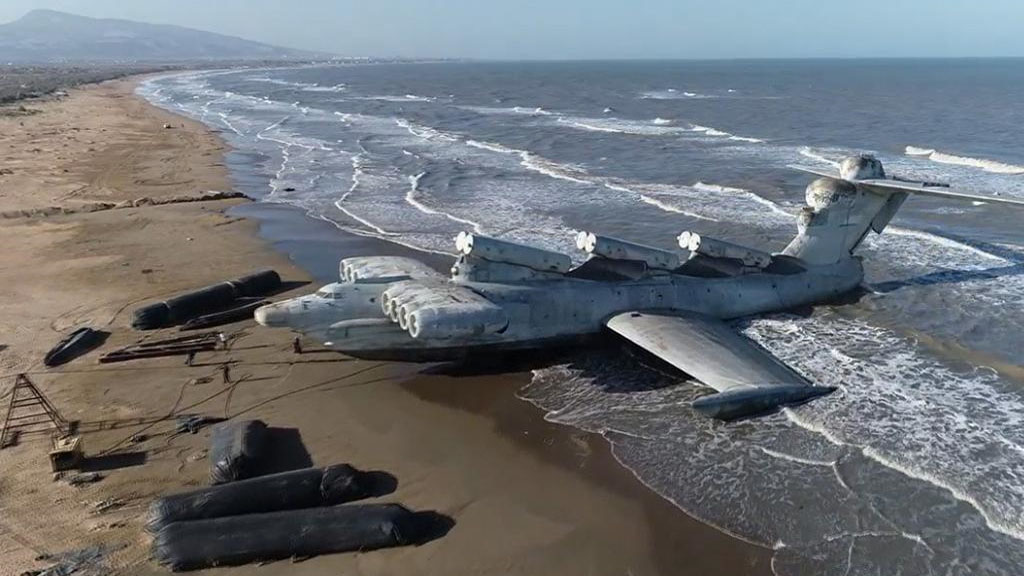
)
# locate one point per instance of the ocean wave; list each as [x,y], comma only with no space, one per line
[304,86]
[702,201]
[824,485]
[665,207]
[595,126]
[411,197]
[709,131]
[425,132]
[513,110]
[398,99]
[538,164]
[993,166]
[719,189]
[611,125]
[807,152]
[655,127]
[673,94]
[980,464]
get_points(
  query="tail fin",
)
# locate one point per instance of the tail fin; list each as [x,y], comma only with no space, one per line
[843,206]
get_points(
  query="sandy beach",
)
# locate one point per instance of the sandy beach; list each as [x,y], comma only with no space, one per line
[526,496]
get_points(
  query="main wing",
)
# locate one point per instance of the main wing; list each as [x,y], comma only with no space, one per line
[749,380]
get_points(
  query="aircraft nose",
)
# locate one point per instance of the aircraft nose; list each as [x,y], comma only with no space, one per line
[271,315]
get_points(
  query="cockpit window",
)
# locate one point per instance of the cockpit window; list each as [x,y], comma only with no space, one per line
[328,293]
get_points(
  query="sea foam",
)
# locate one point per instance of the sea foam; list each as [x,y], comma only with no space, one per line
[993,166]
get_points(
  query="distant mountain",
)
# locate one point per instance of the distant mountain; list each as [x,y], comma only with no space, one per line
[48,36]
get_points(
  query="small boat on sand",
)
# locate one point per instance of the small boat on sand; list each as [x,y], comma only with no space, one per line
[74,345]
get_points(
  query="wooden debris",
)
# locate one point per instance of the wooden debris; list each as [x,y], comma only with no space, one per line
[206,341]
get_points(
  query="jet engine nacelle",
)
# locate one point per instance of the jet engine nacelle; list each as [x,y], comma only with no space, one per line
[506,252]
[615,249]
[714,248]
[441,310]
[456,320]
[381,269]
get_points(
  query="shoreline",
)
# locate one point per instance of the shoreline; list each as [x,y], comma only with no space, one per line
[527,496]
[305,239]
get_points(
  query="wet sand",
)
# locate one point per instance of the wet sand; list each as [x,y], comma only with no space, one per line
[526,496]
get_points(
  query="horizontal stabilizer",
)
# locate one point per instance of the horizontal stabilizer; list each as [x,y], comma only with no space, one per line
[924,189]
[823,172]
[889,186]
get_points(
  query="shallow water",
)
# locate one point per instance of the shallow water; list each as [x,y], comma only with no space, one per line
[916,466]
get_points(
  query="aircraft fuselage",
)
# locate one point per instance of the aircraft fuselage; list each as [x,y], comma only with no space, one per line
[349,316]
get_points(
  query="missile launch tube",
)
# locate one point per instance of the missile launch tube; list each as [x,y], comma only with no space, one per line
[511,253]
[616,249]
[714,248]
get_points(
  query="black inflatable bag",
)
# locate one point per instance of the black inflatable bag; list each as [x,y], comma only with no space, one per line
[306,488]
[199,302]
[258,284]
[235,540]
[235,449]
[151,317]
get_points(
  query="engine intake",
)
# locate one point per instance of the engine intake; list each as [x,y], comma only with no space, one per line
[440,310]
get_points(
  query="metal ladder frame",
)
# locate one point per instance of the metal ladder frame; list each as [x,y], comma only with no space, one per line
[34,397]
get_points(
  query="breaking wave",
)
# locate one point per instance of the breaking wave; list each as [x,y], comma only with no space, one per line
[412,197]
[817,157]
[673,94]
[513,110]
[305,86]
[993,166]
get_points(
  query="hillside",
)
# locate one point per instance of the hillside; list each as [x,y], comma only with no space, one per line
[50,36]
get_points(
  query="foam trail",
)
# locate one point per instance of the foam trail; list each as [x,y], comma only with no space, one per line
[224,119]
[992,166]
[910,445]
[357,164]
[669,208]
[515,110]
[716,188]
[410,198]
[535,163]
[672,94]
[806,152]
[943,241]
[592,127]
[709,131]
[657,203]
[424,132]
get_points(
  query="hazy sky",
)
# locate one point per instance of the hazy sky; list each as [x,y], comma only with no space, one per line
[576,29]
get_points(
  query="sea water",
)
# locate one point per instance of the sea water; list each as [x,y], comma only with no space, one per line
[916,464]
